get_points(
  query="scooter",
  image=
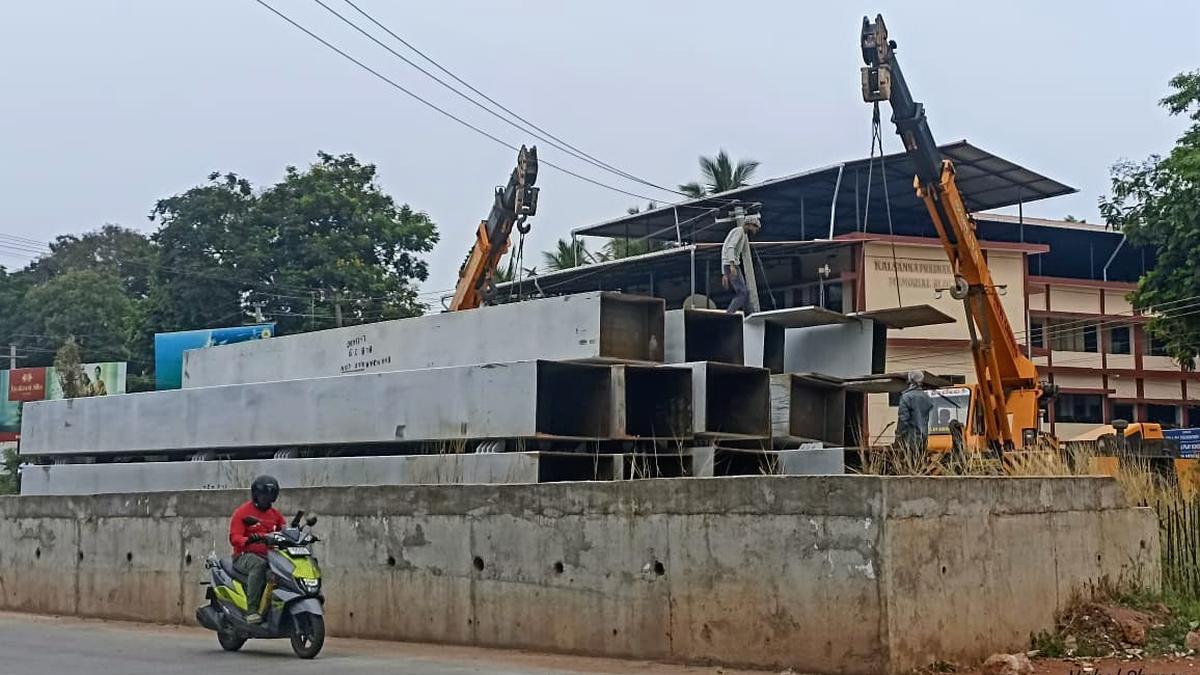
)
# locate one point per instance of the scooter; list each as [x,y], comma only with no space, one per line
[292,603]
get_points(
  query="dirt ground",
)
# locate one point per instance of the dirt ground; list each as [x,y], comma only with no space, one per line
[1176,666]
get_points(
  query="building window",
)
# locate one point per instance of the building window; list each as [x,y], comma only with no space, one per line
[1193,417]
[1118,340]
[1123,411]
[1155,346]
[1079,408]
[1166,415]
[1091,339]
[1037,334]
[1069,336]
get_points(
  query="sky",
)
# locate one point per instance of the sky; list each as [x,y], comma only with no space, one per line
[109,105]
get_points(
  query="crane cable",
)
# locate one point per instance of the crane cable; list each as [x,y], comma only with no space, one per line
[877,141]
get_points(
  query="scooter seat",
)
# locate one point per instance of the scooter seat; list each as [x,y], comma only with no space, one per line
[227,565]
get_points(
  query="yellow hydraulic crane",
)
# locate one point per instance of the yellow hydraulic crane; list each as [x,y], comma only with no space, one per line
[1002,407]
[514,202]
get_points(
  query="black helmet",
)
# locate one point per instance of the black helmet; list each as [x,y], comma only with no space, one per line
[264,491]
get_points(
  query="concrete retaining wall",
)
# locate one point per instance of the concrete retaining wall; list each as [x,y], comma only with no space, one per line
[831,574]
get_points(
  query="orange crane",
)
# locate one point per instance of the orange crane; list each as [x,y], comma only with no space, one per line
[1002,406]
[514,202]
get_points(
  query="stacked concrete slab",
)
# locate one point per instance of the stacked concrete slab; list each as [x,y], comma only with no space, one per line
[581,372]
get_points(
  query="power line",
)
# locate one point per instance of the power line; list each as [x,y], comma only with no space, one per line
[530,128]
[451,115]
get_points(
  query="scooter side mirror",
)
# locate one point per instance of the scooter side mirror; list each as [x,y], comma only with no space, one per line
[312,520]
[250,520]
[296,520]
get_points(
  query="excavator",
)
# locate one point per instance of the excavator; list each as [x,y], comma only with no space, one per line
[999,413]
[514,202]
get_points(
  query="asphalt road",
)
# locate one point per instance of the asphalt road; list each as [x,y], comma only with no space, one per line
[34,645]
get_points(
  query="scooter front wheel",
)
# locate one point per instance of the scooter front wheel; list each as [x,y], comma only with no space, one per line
[230,641]
[308,635]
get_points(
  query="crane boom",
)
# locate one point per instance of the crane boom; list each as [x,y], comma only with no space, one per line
[1008,386]
[514,202]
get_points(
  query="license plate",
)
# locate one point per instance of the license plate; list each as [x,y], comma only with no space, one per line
[298,550]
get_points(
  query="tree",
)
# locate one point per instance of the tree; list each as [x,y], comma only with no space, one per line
[619,248]
[209,254]
[720,174]
[1156,203]
[323,242]
[85,303]
[331,229]
[1072,219]
[566,254]
[124,253]
[68,368]
[10,473]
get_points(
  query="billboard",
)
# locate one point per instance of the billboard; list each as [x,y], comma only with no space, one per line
[169,348]
[26,384]
[36,384]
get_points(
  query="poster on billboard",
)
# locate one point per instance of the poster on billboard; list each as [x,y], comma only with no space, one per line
[10,412]
[37,384]
[99,379]
[169,348]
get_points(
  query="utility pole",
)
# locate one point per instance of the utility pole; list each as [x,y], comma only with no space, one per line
[12,357]
[337,311]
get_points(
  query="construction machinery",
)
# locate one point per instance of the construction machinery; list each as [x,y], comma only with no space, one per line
[514,202]
[1000,412]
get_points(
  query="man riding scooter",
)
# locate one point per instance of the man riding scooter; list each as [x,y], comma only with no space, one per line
[249,541]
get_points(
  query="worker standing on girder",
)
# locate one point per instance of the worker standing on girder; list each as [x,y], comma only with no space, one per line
[912,420]
[737,266]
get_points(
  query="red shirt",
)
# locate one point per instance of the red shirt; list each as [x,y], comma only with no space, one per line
[268,521]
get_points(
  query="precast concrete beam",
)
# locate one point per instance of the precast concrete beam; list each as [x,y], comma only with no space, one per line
[651,402]
[807,408]
[730,401]
[703,335]
[598,326]
[524,399]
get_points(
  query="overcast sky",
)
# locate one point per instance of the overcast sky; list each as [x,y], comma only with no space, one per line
[107,106]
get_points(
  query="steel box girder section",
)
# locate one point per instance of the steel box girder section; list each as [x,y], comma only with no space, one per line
[525,399]
[596,326]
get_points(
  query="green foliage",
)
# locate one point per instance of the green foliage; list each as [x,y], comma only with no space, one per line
[566,254]
[331,229]
[10,473]
[68,368]
[84,302]
[625,248]
[1156,203]
[323,238]
[1049,645]
[720,174]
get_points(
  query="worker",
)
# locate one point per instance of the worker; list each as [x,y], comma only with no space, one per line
[912,421]
[734,252]
[249,539]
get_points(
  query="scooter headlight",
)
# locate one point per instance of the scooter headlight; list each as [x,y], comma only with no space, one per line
[311,585]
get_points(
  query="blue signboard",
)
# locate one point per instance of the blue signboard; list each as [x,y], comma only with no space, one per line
[1188,440]
[169,348]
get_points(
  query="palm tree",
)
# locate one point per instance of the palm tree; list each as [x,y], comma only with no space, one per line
[616,249]
[720,175]
[566,255]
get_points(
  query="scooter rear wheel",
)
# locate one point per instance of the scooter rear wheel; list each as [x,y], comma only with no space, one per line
[308,635]
[229,640]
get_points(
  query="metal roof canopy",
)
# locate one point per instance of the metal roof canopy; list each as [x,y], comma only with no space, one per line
[799,317]
[798,206]
[888,383]
[623,272]
[906,317]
